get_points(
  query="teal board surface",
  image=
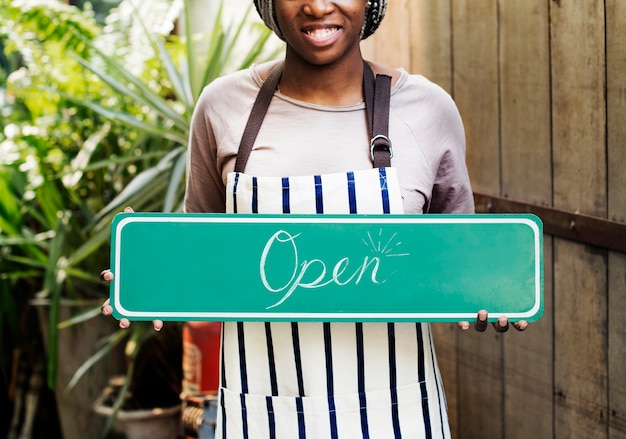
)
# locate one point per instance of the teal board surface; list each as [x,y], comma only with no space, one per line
[225,267]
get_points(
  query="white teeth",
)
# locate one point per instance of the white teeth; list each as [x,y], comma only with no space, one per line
[321,33]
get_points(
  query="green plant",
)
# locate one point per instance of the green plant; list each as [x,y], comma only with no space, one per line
[108,133]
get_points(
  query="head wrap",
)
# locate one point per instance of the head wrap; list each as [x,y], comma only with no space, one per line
[374,14]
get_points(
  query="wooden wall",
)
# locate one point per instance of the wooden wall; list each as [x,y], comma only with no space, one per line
[541,86]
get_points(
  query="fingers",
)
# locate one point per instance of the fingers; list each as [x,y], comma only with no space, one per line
[521,325]
[106,308]
[106,275]
[128,209]
[481,321]
[502,325]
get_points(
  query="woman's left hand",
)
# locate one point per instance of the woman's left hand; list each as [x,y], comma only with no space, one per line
[502,325]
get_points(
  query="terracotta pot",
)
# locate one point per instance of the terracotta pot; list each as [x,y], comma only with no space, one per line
[154,423]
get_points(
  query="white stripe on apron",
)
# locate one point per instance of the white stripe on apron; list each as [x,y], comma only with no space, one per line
[327,380]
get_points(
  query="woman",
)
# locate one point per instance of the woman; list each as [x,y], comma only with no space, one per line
[309,152]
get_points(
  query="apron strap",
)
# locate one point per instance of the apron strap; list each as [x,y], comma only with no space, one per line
[257,114]
[377,94]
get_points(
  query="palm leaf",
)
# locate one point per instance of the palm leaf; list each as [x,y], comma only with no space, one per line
[129,120]
[134,87]
[53,285]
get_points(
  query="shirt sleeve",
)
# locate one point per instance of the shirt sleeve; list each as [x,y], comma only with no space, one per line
[205,192]
[452,190]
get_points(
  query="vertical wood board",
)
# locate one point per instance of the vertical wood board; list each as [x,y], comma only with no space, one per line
[526,174]
[580,308]
[475,81]
[431,36]
[475,78]
[616,150]
[580,341]
[390,44]
[578,106]
[525,100]
[431,56]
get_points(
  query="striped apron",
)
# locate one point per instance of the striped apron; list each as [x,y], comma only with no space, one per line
[327,380]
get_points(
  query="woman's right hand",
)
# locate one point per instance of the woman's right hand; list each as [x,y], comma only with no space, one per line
[107,309]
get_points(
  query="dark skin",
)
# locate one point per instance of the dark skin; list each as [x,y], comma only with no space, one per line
[323,60]
[324,65]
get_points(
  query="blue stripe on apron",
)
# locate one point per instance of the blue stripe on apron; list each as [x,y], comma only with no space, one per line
[223,366]
[330,385]
[255,195]
[244,376]
[301,426]
[271,359]
[244,415]
[319,195]
[360,354]
[351,192]
[384,190]
[223,387]
[235,193]
[391,334]
[270,417]
[286,208]
[295,336]
[421,373]
[223,414]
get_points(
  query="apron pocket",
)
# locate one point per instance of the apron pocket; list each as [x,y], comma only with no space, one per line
[319,417]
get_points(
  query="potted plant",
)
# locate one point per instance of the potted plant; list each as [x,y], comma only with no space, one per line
[94,128]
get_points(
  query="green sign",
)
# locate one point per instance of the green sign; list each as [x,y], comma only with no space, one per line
[326,267]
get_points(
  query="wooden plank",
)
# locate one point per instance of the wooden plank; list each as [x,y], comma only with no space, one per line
[526,145]
[580,341]
[616,115]
[579,158]
[475,89]
[389,45]
[475,79]
[525,100]
[617,346]
[431,56]
[431,37]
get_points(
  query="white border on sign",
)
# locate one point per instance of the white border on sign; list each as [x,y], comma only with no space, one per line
[218,316]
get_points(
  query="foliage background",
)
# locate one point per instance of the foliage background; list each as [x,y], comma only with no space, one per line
[95,108]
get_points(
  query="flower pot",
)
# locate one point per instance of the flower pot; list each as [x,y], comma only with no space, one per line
[156,423]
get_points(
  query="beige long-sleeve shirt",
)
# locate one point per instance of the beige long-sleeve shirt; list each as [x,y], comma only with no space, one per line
[298,138]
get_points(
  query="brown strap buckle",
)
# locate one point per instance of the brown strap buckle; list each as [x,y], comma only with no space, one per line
[380,143]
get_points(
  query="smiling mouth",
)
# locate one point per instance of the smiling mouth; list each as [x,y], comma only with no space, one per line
[321,33]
